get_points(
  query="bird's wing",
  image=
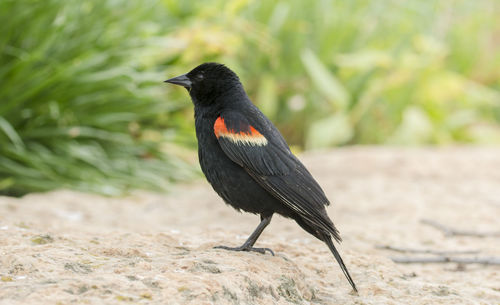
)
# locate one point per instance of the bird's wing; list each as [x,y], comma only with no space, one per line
[274,167]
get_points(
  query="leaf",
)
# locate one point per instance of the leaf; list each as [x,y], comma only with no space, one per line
[6,183]
[415,128]
[279,16]
[11,133]
[267,98]
[330,131]
[325,81]
[364,60]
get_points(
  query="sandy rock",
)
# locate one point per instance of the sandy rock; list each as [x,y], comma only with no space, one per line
[65,247]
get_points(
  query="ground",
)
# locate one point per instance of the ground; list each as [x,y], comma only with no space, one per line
[65,247]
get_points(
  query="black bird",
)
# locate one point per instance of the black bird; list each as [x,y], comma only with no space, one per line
[247,161]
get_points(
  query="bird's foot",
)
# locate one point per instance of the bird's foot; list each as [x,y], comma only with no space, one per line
[246,248]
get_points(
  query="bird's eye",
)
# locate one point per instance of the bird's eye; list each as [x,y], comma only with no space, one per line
[199,76]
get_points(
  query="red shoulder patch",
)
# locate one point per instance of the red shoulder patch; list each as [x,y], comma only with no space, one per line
[253,137]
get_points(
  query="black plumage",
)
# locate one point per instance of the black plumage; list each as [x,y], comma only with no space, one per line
[247,161]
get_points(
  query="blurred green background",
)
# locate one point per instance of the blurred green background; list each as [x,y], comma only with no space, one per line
[83,106]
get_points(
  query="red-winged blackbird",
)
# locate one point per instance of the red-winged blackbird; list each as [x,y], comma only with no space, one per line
[247,161]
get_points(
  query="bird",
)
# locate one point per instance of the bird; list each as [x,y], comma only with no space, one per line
[248,162]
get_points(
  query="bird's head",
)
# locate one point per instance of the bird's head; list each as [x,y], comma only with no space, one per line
[207,82]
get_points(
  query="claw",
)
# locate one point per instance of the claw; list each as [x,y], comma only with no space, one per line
[248,249]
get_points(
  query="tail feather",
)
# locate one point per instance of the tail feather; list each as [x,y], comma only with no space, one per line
[327,239]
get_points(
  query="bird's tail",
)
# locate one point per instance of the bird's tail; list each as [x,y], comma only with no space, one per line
[328,240]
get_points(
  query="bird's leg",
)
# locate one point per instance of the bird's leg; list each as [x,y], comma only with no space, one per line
[248,244]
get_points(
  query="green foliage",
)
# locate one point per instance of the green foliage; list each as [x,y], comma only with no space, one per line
[82,104]
[351,72]
[78,99]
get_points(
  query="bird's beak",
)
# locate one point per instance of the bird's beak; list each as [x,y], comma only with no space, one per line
[181,80]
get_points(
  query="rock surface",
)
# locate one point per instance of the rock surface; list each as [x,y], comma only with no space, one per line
[66,247]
